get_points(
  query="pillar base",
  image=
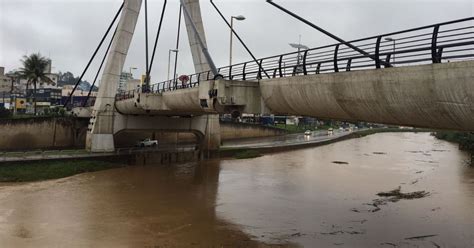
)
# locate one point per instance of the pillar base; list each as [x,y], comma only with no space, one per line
[101,143]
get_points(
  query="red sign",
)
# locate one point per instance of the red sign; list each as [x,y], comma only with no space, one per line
[184,78]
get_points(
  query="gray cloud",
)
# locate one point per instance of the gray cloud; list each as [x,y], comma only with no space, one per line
[68,31]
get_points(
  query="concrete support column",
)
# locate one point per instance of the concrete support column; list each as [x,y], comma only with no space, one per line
[200,62]
[101,125]
[212,135]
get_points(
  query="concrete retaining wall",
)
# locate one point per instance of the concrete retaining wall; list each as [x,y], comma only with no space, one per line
[42,133]
[49,133]
[230,131]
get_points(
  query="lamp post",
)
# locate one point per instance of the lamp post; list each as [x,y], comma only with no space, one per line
[169,60]
[238,18]
[298,46]
[392,40]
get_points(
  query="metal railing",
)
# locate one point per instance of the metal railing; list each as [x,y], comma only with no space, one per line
[435,43]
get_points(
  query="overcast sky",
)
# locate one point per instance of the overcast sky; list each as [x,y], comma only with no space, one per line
[68,31]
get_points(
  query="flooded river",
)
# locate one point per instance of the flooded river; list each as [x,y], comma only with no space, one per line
[316,197]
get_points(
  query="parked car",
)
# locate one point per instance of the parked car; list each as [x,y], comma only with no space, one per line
[330,131]
[307,132]
[147,143]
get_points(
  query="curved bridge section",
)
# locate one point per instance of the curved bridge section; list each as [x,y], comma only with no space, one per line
[433,96]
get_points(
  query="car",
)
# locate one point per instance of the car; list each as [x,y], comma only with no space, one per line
[147,143]
[307,132]
[330,131]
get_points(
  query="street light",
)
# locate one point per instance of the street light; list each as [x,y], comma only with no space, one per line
[238,18]
[393,40]
[300,47]
[169,60]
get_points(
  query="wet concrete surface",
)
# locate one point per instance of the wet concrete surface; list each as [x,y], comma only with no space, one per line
[286,140]
[298,198]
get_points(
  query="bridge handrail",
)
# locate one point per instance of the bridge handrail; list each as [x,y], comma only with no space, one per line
[427,44]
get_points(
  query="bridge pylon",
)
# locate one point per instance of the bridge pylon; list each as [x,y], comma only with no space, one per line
[105,121]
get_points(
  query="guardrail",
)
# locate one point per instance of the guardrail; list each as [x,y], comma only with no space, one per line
[437,43]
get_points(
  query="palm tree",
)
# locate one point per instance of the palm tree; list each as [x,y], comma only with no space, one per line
[34,71]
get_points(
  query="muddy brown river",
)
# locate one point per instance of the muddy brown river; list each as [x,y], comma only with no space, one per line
[316,197]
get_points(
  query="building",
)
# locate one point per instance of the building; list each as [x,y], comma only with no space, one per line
[5,81]
[45,97]
[132,84]
[78,98]
[124,77]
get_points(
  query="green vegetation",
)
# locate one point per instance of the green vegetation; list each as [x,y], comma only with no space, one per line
[34,71]
[390,130]
[295,128]
[464,139]
[44,170]
[4,113]
[247,154]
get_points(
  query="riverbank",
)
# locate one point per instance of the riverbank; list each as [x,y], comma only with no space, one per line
[45,170]
[54,169]
[256,151]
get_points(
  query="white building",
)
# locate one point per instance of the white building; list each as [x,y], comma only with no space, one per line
[124,78]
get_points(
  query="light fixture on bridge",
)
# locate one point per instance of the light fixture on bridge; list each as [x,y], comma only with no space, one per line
[298,68]
[238,18]
[299,46]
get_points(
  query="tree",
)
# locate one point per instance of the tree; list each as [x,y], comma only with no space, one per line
[67,78]
[34,71]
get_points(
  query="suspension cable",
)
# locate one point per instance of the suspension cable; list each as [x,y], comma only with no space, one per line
[146,37]
[100,68]
[387,64]
[241,41]
[177,44]
[147,80]
[93,56]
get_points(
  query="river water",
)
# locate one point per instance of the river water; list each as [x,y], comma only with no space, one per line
[297,199]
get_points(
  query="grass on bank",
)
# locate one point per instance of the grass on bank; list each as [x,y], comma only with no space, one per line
[247,154]
[44,170]
[364,133]
[295,128]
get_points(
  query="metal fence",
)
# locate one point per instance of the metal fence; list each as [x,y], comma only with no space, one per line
[438,43]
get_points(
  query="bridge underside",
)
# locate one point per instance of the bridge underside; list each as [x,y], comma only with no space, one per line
[436,96]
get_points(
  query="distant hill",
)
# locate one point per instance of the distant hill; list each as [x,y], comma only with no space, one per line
[67,78]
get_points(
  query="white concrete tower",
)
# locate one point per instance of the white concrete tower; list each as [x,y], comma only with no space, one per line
[200,62]
[101,126]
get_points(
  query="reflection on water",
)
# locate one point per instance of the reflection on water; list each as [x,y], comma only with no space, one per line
[299,197]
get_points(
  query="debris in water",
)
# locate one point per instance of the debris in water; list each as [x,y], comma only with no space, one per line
[396,195]
[298,234]
[414,182]
[436,245]
[422,237]
[333,233]
[418,172]
[339,162]
[391,244]
[434,209]
[343,232]
[358,221]
[379,153]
